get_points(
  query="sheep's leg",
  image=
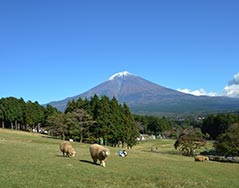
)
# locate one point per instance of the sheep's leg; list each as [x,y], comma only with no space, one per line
[102,163]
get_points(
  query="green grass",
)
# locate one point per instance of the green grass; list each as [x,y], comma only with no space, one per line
[31,160]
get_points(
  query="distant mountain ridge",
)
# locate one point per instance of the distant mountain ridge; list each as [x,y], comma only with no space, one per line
[143,96]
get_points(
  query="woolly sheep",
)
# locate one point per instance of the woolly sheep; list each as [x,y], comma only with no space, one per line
[67,149]
[201,158]
[100,153]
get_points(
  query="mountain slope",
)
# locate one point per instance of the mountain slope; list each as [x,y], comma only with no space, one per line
[143,96]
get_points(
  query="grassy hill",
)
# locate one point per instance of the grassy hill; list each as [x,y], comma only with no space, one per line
[32,160]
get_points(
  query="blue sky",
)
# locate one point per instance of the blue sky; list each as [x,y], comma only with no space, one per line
[53,49]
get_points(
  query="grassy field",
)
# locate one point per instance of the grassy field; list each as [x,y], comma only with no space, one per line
[32,160]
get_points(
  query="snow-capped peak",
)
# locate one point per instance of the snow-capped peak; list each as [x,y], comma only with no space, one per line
[120,74]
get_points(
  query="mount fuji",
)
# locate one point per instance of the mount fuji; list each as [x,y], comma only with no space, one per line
[145,97]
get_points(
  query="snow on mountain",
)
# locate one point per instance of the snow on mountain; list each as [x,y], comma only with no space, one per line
[120,74]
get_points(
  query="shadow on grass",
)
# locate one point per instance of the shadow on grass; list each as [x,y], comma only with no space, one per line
[89,162]
[61,156]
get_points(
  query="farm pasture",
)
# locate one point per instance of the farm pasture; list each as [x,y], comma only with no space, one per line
[32,160]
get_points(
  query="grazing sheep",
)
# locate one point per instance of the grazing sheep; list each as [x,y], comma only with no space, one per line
[67,149]
[100,153]
[201,158]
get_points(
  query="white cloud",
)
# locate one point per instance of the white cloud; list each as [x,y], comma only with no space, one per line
[235,80]
[197,92]
[232,89]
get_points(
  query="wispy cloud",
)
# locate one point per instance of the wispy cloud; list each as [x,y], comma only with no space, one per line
[197,92]
[232,89]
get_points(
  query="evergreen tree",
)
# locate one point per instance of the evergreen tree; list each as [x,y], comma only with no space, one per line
[86,106]
[80,103]
[13,110]
[94,103]
[50,110]
[116,128]
[103,119]
[35,115]
[216,125]
[131,133]
[71,106]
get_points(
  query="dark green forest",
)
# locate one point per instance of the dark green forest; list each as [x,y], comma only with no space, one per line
[105,121]
[96,120]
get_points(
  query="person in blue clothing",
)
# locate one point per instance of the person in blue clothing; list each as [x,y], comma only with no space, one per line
[122,153]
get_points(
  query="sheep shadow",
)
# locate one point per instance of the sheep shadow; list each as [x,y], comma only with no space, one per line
[61,156]
[89,162]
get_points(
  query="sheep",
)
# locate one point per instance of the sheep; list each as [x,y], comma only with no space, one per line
[67,149]
[201,158]
[100,153]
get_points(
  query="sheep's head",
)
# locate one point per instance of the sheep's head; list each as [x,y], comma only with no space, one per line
[105,153]
[72,153]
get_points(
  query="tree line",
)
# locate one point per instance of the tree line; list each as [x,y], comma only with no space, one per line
[224,128]
[106,121]
[85,120]
[101,120]
[18,114]
[95,120]
[152,125]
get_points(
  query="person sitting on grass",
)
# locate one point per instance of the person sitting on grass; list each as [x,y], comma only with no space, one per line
[122,153]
